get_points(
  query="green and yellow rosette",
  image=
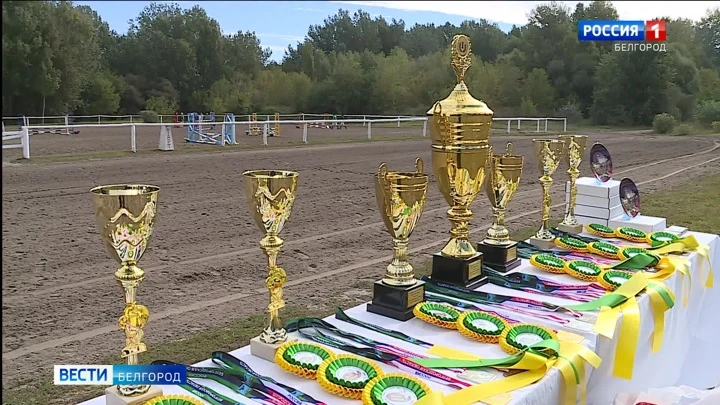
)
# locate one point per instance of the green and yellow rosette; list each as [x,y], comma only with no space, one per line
[548,262]
[568,243]
[301,358]
[604,249]
[631,234]
[611,280]
[660,237]
[174,400]
[630,251]
[520,336]
[347,375]
[481,326]
[583,270]
[600,230]
[440,315]
[394,389]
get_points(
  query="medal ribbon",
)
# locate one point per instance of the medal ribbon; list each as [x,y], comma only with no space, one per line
[533,284]
[370,352]
[342,316]
[442,299]
[207,395]
[494,299]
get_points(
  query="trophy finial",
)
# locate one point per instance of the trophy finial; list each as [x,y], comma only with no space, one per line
[382,170]
[461,56]
[509,148]
[419,166]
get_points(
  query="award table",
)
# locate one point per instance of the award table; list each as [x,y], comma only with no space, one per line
[689,354]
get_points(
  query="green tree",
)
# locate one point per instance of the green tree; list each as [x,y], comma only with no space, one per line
[101,96]
[538,89]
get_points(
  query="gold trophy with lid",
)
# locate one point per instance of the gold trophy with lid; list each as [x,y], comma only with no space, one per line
[460,129]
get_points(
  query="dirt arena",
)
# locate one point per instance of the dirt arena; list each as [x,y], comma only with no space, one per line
[204,267]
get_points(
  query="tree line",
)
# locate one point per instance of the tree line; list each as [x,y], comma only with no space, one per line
[59,58]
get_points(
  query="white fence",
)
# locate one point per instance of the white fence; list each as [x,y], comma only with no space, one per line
[366,120]
[23,135]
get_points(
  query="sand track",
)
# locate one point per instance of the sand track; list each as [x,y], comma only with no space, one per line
[60,302]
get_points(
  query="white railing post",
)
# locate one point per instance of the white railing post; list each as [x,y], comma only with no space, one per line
[133,144]
[305,127]
[265,133]
[398,121]
[99,120]
[518,124]
[364,119]
[546,120]
[369,131]
[425,128]
[508,128]
[538,126]
[160,118]
[25,142]
[564,124]
[131,118]
[67,130]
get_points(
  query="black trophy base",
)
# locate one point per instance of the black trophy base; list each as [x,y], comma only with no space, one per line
[501,258]
[396,302]
[461,272]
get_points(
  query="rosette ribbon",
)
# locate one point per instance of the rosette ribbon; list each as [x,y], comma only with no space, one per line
[683,244]
[622,301]
[536,360]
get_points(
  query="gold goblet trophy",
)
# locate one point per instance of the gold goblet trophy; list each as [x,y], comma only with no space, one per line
[270,195]
[503,179]
[574,148]
[549,152]
[401,199]
[125,216]
[460,128]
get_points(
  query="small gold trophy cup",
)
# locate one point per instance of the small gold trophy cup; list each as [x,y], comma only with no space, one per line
[460,128]
[401,199]
[574,148]
[503,179]
[549,152]
[125,216]
[270,194]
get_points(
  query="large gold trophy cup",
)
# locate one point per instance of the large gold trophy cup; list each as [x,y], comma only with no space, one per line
[125,216]
[460,128]
[270,195]
[549,152]
[574,148]
[503,179]
[400,199]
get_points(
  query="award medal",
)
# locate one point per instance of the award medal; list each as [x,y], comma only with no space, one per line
[569,243]
[548,262]
[631,234]
[604,249]
[369,349]
[600,230]
[661,237]
[630,251]
[613,279]
[394,389]
[174,400]
[519,337]
[481,326]
[583,270]
[346,375]
[440,315]
[301,358]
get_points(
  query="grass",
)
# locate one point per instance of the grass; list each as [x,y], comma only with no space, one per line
[670,203]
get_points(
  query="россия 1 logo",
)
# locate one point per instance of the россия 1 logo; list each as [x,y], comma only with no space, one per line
[622,31]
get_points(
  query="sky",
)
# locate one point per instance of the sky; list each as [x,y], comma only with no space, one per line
[282,23]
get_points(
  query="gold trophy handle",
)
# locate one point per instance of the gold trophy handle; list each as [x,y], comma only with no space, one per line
[382,177]
[508,149]
[419,166]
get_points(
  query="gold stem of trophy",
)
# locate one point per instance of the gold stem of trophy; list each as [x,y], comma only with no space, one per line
[400,272]
[498,234]
[549,152]
[270,195]
[573,149]
[125,215]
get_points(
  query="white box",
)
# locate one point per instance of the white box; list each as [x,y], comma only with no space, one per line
[592,187]
[590,220]
[644,223]
[598,212]
[591,201]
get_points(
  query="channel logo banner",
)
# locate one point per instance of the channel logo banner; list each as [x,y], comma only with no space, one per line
[119,374]
[616,31]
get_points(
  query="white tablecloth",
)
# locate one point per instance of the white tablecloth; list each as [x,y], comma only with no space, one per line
[688,355]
